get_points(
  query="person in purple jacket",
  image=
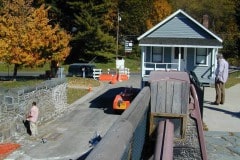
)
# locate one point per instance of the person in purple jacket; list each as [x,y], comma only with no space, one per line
[220,79]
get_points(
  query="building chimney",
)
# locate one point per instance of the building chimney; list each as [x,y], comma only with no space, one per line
[205,20]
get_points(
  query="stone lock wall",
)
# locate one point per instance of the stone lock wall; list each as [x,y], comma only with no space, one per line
[50,96]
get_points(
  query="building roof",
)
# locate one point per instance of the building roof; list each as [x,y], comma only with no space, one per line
[179,29]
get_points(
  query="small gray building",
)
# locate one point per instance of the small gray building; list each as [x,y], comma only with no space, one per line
[179,43]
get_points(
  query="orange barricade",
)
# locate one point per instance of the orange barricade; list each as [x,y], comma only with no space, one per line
[106,77]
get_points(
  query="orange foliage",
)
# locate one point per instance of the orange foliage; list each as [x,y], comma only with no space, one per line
[110,18]
[160,9]
[27,39]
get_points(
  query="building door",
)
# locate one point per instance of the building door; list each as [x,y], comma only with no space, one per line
[183,58]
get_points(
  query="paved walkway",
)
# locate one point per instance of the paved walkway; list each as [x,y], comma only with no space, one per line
[224,117]
[223,122]
[222,139]
[68,137]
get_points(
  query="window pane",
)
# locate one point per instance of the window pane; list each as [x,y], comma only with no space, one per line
[201,60]
[157,54]
[148,54]
[201,51]
[201,56]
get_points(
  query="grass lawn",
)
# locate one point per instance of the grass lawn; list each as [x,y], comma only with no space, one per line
[78,87]
[74,94]
[132,64]
[9,68]
[233,79]
[18,84]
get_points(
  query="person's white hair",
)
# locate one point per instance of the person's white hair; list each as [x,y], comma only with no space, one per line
[219,55]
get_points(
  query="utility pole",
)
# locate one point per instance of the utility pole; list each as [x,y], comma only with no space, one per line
[118,19]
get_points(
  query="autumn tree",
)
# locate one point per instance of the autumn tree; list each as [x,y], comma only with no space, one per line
[160,9]
[237,17]
[26,38]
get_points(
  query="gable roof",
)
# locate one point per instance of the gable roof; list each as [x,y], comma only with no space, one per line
[180,29]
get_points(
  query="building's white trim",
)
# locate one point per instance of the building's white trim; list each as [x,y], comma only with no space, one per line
[185,46]
[143,50]
[215,52]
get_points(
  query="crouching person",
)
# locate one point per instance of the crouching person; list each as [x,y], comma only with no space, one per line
[32,117]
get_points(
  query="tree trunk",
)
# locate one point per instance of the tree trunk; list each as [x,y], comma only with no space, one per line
[15,71]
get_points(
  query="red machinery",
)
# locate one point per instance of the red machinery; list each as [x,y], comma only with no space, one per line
[123,100]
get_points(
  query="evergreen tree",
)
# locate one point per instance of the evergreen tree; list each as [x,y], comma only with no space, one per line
[91,34]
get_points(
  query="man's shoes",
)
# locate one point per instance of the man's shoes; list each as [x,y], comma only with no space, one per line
[214,103]
[221,103]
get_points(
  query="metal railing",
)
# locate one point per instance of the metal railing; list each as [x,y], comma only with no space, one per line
[196,114]
[124,71]
[121,71]
[97,73]
[150,66]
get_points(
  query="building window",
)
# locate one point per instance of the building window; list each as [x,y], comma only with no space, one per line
[157,54]
[201,56]
[177,51]
[148,54]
